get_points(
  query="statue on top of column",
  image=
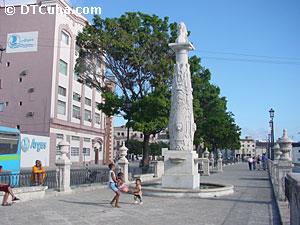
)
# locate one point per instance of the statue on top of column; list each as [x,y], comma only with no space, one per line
[182,34]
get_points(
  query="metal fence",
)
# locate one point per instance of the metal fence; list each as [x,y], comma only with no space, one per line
[88,176]
[78,177]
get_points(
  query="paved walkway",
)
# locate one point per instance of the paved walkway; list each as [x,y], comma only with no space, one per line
[251,204]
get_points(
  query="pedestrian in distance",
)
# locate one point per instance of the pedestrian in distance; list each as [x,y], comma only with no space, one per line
[254,163]
[264,161]
[250,162]
[258,162]
[112,182]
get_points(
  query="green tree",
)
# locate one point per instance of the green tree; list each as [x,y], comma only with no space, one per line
[216,127]
[134,49]
[134,147]
[155,148]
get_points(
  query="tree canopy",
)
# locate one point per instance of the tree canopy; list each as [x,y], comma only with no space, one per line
[134,49]
[216,127]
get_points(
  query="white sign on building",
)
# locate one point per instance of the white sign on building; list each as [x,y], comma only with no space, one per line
[22,42]
[34,148]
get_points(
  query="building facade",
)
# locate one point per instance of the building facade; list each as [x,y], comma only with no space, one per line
[247,148]
[296,153]
[121,132]
[40,92]
[261,147]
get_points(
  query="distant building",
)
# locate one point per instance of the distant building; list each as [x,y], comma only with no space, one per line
[39,89]
[120,136]
[296,153]
[261,147]
[247,147]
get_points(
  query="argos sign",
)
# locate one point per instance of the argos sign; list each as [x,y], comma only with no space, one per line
[32,148]
[22,42]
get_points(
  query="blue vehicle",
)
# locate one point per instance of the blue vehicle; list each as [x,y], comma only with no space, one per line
[10,154]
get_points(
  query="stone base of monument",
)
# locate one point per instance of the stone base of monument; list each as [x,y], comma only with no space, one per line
[181,170]
[206,190]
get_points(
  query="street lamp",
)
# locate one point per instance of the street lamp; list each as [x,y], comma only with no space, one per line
[271,123]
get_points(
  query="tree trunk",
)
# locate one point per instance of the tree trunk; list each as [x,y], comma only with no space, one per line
[145,161]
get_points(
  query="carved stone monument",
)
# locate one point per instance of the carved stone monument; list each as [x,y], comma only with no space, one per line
[181,168]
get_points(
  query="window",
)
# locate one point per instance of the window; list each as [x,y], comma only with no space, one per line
[86,139]
[75,138]
[59,136]
[0,84]
[76,76]
[6,103]
[76,97]
[97,118]
[65,38]
[88,101]
[20,103]
[76,112]
[2,106]
[62,91]
[63,67]
[87,115]
[122,134]
[86,151]
[20,79]
[61,107]
[141,135]
[18,127]
[74,151]
[299,151]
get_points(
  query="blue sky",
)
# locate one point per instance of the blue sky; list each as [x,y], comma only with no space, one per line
[264,69]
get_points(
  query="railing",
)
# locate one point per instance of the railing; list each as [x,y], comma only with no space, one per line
[78,177]
[136,170]
[88,176]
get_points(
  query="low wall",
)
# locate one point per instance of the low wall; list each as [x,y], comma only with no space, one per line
[28,193]
[145,177]
[292,192]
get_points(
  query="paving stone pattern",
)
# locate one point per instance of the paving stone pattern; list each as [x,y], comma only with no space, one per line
[251,204]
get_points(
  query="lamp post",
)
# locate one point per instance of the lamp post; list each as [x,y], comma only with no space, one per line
[272,133]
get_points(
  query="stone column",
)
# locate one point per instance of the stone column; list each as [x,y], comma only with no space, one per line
[205,163]
[123,162]
[284,165]
[220,162]
[158,168]
[63,164]
[181,166]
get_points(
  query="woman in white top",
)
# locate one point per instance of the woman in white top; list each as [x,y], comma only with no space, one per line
[113,185]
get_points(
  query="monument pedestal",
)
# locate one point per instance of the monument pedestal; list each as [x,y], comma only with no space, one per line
[181,170]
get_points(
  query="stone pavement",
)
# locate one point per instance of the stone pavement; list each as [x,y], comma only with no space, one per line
[251,204]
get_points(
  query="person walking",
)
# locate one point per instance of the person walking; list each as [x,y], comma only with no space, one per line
[250,162]
[254,163]
[264,161]
[258,162]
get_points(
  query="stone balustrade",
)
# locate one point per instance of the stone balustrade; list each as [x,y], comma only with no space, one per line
[279,171]
[292,191]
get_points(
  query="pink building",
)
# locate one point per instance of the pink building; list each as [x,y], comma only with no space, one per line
[39,91]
